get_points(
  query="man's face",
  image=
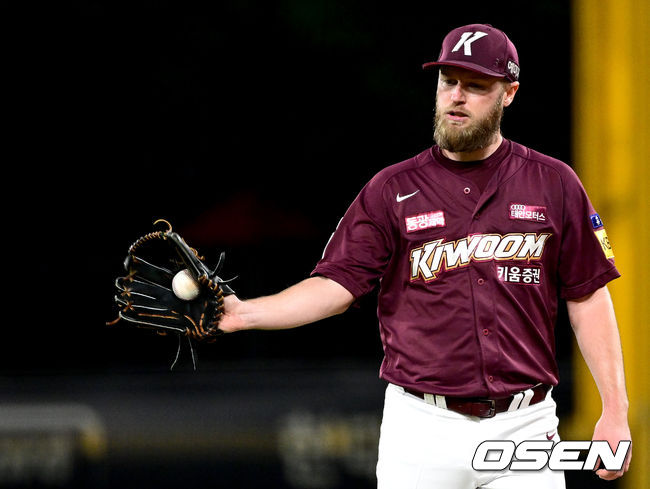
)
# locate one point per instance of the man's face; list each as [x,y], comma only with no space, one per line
[469,107]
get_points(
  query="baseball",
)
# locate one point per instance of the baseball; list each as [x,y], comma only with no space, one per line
[184,285]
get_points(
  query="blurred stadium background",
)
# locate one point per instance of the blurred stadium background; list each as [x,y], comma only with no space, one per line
[251,125]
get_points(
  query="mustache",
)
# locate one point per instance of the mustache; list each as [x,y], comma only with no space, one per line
[455,111]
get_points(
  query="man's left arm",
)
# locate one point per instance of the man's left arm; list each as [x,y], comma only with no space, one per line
[594,324]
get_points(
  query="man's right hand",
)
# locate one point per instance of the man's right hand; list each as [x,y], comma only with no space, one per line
[306,302]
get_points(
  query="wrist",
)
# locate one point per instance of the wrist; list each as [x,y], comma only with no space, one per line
[245,311]
[237,317]
[616,409]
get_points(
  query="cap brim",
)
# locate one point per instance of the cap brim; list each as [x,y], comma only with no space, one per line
[468,66]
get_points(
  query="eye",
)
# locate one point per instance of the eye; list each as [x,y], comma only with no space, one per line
[477,87]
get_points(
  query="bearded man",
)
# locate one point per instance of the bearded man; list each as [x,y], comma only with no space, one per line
[470,242]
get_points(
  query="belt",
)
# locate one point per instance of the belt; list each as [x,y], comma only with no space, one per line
[485,408]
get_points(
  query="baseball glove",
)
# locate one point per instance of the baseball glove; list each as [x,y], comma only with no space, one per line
[148,295]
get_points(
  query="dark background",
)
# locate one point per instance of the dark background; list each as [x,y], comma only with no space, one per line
[250,126]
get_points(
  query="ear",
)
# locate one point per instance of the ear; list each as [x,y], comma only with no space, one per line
[510,91]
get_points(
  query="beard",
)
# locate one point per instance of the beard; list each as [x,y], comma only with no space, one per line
[476,135]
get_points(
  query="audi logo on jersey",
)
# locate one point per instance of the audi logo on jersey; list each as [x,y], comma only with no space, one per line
[428,260]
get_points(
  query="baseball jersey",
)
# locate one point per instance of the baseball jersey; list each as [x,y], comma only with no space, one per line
[469,280]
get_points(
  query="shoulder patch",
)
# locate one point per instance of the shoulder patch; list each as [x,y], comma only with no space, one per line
[601,234]
[596,221]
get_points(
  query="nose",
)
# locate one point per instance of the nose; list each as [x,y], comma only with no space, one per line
[457,94]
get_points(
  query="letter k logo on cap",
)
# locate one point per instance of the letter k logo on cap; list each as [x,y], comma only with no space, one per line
[466,41]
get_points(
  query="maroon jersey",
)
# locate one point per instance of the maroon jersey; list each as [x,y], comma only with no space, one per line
[469,280]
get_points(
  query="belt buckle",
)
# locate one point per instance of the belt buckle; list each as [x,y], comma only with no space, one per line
[492,411]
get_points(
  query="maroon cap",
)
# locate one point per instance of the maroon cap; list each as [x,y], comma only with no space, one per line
[481,48]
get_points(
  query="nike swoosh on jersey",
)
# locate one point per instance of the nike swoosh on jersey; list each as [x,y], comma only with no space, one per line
[400,198]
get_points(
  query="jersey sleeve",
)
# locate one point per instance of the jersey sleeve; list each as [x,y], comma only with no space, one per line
[361,247]
[586,261]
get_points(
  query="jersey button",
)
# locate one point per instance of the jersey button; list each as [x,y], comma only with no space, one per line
[467,190]
[490,378]
[480,281]
[486,332]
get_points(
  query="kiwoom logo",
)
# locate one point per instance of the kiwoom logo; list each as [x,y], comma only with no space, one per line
[537,454]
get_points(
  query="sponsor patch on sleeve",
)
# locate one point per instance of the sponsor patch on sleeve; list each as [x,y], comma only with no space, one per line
[601,234]
[596,221]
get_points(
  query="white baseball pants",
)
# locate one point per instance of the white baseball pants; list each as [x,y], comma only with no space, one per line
[422,446]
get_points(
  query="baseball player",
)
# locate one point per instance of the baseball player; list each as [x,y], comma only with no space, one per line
[470,242]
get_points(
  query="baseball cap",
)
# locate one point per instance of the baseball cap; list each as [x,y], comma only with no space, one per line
[481,48]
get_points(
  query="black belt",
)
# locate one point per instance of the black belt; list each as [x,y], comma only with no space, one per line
[485,408]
